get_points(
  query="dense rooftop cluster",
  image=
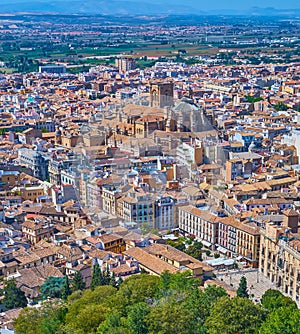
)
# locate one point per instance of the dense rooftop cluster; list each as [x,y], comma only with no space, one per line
[176,167]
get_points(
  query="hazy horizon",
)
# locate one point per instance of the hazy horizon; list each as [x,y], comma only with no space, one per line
[201,5]
[151,7]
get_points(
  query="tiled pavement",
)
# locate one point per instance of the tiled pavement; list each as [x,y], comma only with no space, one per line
[256,282]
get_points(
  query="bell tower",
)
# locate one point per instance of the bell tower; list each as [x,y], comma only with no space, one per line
[161,94]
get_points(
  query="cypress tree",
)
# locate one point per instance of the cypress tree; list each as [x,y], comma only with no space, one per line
[97,277]
[242,290]
[66,289]
[78,283]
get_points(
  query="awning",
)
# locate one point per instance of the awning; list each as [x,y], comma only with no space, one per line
[228,262]
[220,262]
[205,243]
[222,250]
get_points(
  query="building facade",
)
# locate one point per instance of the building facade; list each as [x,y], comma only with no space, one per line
[200,224]
[164,211]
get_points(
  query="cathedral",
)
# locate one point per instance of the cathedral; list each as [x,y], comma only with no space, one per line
[184,116]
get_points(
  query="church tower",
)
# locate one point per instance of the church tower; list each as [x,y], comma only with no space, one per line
[161,94]
[58,137]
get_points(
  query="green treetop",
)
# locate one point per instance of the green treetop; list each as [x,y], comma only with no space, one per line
[242,290]
[13,296]
[97,277]
[78,283]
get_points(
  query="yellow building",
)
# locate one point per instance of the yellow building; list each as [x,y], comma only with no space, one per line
[9,179]
[108,242]
[280,259]
[32,193]
[157,258]
[37,230]
[248,240]
[147,124]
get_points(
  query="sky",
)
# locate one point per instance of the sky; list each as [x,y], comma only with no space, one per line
[204,4]
[175,6]
[237,4]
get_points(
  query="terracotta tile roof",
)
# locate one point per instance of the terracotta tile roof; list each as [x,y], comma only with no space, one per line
[149,261]
[203,214]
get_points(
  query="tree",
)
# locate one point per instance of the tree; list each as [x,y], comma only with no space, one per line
[280,106]
[200,302]
[272,299]
[172,303]
[113,324]
[242,290]
[89,310]
[198,311]
[195,250]
[138,288]
[44,320]
[165,281]
[87,320]
[13,296]
[178,244]
[22,325]
[113,281]
[207,252]
[106,276]
[97,277]
[183,281]
[169,318]
[78,283]
[146,229]
[52,287]
[282,320]
[79,299]
[253,99]
[119,281]
[66,291]
[137,316]
[212,294]
[235,316]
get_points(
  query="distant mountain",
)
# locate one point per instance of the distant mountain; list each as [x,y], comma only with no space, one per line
[111,7]
[123,7]
[270,11]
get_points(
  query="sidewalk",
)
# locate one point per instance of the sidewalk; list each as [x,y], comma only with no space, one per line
[256,282]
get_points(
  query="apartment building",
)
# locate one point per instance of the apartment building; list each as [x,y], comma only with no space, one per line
[37,229]
[190,154]
[32,193]
[236,238]
[227,236]
[242,165]
[164,213]
[199,223]
[279,259]
[9,179]
[125,64]
[137,206]
[247,243]
[36,161]
[107,242]
[110,195]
